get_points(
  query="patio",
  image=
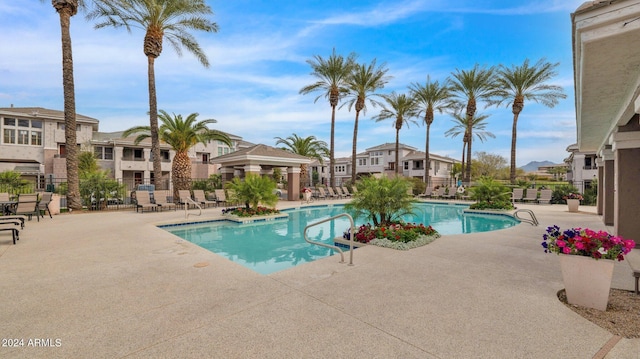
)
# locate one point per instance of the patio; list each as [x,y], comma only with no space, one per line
[112,284]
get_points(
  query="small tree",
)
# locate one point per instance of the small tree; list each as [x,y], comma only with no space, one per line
[490,194]
[382,200]
[253,190]
[12,182]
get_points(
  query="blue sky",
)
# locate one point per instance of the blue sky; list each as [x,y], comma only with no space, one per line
[258,65]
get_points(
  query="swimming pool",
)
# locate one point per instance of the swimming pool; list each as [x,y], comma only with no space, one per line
[271,246]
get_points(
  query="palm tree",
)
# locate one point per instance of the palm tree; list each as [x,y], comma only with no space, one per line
[365,80]
[462,126]
[520,83]
[332,74]
[469,87]
[401,108]
[181,135]
[66,9]
[304,146]
[160,19]
[430,97]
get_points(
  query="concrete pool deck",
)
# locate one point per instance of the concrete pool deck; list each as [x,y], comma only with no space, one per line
[113,285]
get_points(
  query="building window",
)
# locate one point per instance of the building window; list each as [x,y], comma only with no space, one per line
[138,154]
[406,165]
[103,153]
[362,162]
[22,132]
[219,151]
[9,135]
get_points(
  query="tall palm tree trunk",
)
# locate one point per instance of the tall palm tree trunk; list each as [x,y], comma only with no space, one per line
[332,159]
[518,105]
[71,147]
[354,148]
[471,111]
[397,148]
[426,157]
[153,123]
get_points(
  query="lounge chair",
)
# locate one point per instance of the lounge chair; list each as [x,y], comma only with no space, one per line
[339,193]
[516,194]
[13,218]
[439,193]
[545,196]
[13,226]
[332,194]
[531,195]
[198,196]
[44,203]
[160,198]
[449,192]
[321,193]
[354,189]
[221,197]
[28,206]
[345,191]
[426,194]
[143,200]
[184,198]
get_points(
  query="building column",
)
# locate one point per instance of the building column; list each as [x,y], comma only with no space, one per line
[226,173]
[255,169]
[293,183]
[626,147]
[599,198]
[606,187]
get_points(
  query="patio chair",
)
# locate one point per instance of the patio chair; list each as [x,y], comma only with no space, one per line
[161,200]
[516,194]
[13,227]
[332,194]
[184,198]
[143,199]
[321,193]
[13,218]
[545,196]
[345,191]
[221,197]
[44,203]
[28,206]
[199,196]
[338,192]
[531,195]
[439,193]
[426,194]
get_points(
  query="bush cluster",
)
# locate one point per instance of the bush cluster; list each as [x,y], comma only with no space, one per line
[250,212]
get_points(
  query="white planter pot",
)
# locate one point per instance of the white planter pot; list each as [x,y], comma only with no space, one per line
[306,196]
[587,281]
[574,205]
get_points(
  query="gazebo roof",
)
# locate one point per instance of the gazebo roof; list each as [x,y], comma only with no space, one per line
[261,155]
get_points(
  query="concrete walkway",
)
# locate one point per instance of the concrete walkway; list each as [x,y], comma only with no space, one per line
[113,285]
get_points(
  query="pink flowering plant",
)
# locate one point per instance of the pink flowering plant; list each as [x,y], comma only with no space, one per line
[397,232]
[250,212]
[586,242]
[306,190]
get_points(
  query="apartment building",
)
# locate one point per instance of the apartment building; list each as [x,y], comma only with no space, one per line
[380,160]
[33,143]
[583,169]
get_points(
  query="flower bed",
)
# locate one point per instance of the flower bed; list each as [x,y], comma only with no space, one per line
[401,236]
[250,212]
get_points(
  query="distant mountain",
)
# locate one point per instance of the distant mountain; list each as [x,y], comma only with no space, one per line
[533,165]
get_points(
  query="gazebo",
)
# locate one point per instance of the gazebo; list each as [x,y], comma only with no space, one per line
[262,159]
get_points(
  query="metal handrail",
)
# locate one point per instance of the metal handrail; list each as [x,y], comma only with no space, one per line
[351,234]
[186,207]
[533,221]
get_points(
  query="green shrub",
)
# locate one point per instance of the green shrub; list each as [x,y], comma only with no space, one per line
[490,194]
[382,200]
[252,190]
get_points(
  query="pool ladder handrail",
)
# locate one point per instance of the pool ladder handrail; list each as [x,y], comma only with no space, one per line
[352,231]
[533,221]
[186,208]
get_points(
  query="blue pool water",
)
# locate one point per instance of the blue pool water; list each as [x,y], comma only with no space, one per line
[270,246]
